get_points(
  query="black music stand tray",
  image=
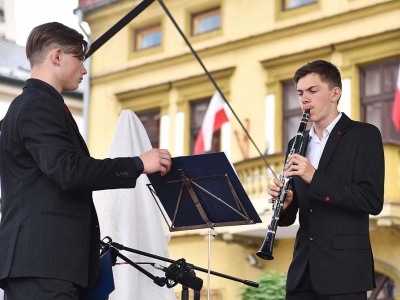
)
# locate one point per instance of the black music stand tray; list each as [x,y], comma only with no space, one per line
[202,191]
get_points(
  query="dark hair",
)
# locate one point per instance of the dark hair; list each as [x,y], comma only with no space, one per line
[49,35]
[327,71]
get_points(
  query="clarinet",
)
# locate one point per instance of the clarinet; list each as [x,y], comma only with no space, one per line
[265,251]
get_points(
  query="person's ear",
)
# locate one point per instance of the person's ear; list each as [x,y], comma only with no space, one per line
[337,93]
[56,56]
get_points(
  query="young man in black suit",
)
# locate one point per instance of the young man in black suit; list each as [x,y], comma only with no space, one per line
[49,232]
[338,181]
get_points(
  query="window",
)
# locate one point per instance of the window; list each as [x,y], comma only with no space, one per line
[151,122]
[291,112]
[378,85]
[197,112]
[148,37]
[206,21]
[289,4]
[1,14]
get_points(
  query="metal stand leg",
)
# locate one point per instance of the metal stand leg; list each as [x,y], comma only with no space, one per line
[185,293]
[214,233]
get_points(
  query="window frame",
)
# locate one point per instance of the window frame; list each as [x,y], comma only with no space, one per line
[194,130]
[384,99]
[284,14]
[286,4]
[197,16]
[139,33]
[154,138]
[288,113]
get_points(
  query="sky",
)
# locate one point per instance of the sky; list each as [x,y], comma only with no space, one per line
[30,13]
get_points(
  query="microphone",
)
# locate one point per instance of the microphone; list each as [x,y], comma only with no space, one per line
[175,273]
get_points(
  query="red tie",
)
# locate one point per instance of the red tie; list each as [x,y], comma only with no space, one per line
[69,112]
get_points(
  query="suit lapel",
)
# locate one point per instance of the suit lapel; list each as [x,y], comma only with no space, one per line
[337,132]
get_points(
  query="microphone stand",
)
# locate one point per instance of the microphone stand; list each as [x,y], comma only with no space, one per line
[178,270]
[113,247]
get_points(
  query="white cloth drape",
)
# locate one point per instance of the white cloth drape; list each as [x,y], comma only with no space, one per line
[131,217]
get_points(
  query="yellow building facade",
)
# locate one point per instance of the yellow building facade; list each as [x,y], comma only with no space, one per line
[254,52]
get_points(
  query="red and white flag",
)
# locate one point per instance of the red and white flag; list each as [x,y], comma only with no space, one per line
[214,118]
[396,105]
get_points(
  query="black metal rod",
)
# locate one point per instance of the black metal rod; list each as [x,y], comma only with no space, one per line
[133,14]
[118,26]
[122,247]
[213,82]
[158,280]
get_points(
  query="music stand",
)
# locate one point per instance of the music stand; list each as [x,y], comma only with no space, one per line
[202,191]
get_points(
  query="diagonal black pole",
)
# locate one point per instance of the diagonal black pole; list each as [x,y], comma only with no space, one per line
[213,82]
[118,26]
[117,246]
[134,13]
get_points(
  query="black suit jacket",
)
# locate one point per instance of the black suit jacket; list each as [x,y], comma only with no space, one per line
[49,226]
[333,237]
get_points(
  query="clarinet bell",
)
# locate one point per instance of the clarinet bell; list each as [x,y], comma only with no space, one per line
[265,251]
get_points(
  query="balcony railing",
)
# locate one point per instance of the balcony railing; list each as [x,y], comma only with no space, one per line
[255,177]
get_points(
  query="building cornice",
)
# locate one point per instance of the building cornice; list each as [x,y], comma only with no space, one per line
[266,37]
[166,86]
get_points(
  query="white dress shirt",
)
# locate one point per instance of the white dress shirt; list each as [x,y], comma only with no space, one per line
[315,145]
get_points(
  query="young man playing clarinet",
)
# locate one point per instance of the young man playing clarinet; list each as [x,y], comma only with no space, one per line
[338,181]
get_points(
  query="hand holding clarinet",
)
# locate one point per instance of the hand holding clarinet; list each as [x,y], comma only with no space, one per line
[295,165]
[281,191]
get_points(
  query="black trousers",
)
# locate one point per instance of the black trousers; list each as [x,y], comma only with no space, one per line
[32,288]
[305,291]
